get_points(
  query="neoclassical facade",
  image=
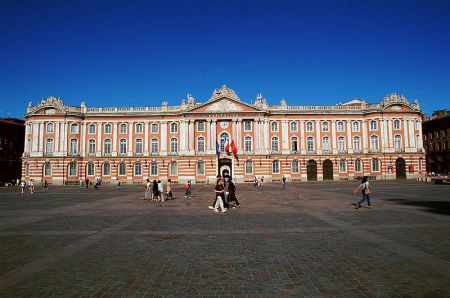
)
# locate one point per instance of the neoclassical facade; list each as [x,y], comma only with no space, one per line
[64,144]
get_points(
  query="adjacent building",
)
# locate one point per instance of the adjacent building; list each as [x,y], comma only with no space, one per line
[64,144]
[436,137]
[12,132]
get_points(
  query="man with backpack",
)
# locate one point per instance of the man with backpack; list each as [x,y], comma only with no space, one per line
[365,191]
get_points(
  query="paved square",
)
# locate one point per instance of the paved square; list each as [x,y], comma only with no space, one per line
[305,240]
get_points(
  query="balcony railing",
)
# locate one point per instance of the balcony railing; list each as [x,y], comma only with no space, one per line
[73,154]
[374,150]
[173,153]
[311,152]
[154,153]
[275,152]
[399,150]
[342,151]
[48,154]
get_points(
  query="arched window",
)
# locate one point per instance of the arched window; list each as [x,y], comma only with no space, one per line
[106,169]
[294,144]
[396,124]
[374,142]
[73,146]
[74,128]
[200,144]
[173,127]
[397,142]
[138,169]
[123,146]
[224,137]
[326,144]
[358,165]
[92,128]
[341,144]
[295,168]
[27,169]
[248,144]
[375,165]
[200,168]
[90,169]
[72,169]
[325,126]
[342,166]
[91,146]
[276,167]
[138,146]
[50,127]
[154,127]
[275,144]
[248,167]
[154,169]
[47,169]
[356,144]
[139,128]
[420,164]
[274,126]
[108,128]
[107,146]
[49,147]
[309,126]
[310,144]
[122,168]
[293,126]
[154,145]
[173,145]
[173,168]
[340,126]
[123,128]
[355,126]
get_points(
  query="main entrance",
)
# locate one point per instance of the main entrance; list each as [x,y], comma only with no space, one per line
[311,170]
[327,169]
[225,167]
[400,168]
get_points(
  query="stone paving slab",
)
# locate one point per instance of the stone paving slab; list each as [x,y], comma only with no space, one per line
[305,241]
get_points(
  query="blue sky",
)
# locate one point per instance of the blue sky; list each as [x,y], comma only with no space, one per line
[116,53]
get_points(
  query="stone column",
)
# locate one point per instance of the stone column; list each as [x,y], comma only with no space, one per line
[146,126]
[266,136]
[318,136]
[383,135]
[65,134]
[57,137]
[302,137]
[83,151]
[214,134]
[130,138]
[114,139]
[412,136]
[183,136]
[364,136]
[349,136]
[255,136]
[163,141]
[239,135]
[334,136]
[41,137]
[208,136]
[389,136]
[420,144]
[284,137]
[191,136]
[406,134]
[99,139]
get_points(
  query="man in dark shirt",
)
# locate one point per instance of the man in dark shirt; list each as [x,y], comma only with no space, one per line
[219,193]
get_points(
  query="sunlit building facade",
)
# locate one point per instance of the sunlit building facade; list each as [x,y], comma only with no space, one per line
[64,144]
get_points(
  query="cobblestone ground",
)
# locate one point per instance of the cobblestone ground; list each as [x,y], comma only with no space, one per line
[304,241]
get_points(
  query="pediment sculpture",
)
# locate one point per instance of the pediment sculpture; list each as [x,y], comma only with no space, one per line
[224,105]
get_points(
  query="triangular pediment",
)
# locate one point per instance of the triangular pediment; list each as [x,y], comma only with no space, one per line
[224,105]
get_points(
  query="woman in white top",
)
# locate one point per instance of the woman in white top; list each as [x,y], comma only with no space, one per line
[366,192]
[148,190]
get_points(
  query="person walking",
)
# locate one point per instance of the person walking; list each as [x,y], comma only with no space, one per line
[155,191]
[283,182]
[219,191]
[118,184]
[188,192]
[22,186]
[366,192]
[161,191]
[31,185]
[45,185]
[148,189]
[232,194]
[169,189]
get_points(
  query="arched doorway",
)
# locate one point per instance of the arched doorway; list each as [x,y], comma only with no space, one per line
[311,170]
[400,168]
[225,167]
[327,169]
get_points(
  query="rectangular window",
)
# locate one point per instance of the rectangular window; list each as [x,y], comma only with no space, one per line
[92,128]
[247,125]
[74,128]
[154,169]
[138,128]
[154,128]
[201,126]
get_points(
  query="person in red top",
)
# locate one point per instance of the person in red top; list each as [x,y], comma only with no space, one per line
[188,192]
